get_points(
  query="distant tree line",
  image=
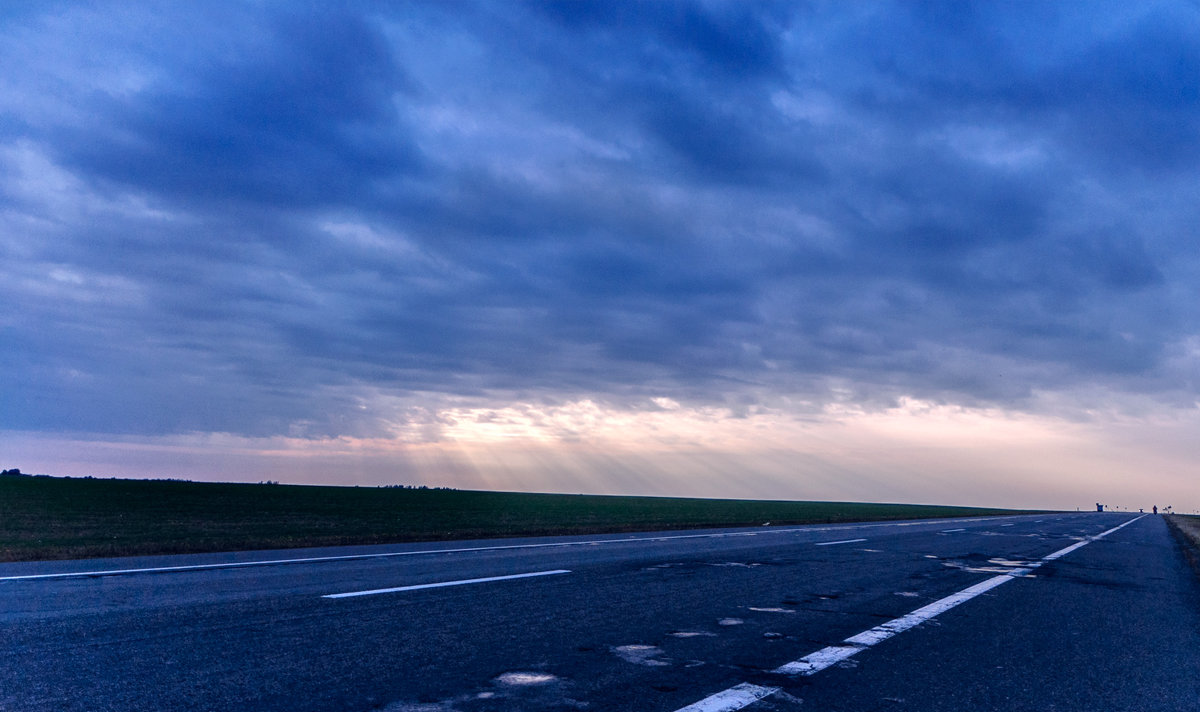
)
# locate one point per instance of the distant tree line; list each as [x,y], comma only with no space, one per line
[14,472]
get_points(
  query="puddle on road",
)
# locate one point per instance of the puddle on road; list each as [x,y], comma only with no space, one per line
[730,621]
[525,678]
[518,689]
[641,655]
[908,594]
[772,610]
[692,634]
[1014,563]
[995,568]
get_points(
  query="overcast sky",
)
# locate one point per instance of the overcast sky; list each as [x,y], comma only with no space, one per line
[940,252]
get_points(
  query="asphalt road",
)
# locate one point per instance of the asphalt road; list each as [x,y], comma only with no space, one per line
[1013,613]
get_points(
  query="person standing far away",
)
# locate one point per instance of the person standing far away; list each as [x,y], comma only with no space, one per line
[1156,509]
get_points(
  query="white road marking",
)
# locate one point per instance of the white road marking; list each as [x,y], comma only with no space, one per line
[425,552]
[735,698]
[444,584]
[844,541]
[826,657]
[951,531]
[730,701]
[1076,545]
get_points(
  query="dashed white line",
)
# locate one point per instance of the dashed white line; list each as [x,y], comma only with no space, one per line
[826,657]
[735,698]
[951,531]
[843,541]
[444,584]
[730,701]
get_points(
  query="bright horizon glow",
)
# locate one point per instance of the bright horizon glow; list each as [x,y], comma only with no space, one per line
[916,452]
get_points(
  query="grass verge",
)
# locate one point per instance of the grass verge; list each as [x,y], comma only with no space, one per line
[62,518]
[1187,528]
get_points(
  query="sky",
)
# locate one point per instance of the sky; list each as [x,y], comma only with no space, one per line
[939,252]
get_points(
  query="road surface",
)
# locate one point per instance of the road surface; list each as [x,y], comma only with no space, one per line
[1091,611]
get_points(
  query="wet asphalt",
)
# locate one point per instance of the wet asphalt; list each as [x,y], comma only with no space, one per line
[640,622]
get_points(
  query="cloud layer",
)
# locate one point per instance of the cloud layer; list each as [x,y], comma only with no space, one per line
[264,220]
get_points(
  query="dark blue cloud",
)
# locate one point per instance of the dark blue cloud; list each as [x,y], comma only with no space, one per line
[303,109]
[264,219]
[733,41]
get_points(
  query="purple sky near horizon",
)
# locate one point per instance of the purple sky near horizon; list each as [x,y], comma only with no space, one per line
[938,252]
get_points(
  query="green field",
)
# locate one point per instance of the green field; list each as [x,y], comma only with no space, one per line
[57,518]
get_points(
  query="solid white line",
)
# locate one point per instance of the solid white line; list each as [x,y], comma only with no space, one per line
[826,657]
[359,557]
[735,698]
[844,541]
[1063,552]
[443,584]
